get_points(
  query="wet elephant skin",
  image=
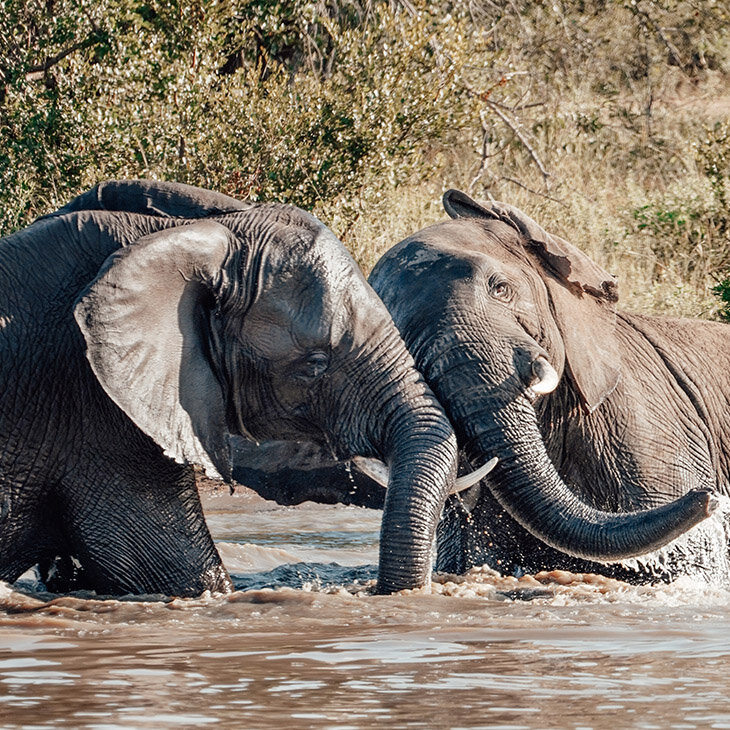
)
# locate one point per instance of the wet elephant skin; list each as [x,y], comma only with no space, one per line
[518,334]
[145,324]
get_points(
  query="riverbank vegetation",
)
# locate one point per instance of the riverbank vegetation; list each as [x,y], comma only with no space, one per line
[608,121]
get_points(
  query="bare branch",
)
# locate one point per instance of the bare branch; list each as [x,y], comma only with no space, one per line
[485,152]
[516,129]
[671,48]
[534,192]
[497,109]
[36,73]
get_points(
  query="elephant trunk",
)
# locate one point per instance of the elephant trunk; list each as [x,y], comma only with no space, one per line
[501,421]
[405,426]
[422,460]
[527,485]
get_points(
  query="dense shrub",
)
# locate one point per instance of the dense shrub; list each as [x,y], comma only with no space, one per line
[599,118]
[294,101]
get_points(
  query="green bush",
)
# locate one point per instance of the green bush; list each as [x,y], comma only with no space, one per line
[722,292]
[714,155]
[300,102]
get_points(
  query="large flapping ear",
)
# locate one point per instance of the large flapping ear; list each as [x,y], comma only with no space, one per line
[146,340]
[153,197]
[582,295]
[587,326]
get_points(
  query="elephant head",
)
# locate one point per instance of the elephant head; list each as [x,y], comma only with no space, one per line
[253,320]
[498,313]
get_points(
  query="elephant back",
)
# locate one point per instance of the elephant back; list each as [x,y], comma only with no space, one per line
[153,197]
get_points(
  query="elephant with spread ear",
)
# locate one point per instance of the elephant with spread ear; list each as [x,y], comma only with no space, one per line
[145,324]
[595,415]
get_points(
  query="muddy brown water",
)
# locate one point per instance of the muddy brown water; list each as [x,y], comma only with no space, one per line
[302,644]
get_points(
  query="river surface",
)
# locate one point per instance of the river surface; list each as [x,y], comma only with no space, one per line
[301,644]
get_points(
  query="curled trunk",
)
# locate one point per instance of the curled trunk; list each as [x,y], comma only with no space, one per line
[527,485]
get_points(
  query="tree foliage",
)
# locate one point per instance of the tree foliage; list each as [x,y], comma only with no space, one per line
[301,102]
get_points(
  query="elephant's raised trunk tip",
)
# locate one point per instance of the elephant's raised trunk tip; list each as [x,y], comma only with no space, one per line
[707,498]
[653,529]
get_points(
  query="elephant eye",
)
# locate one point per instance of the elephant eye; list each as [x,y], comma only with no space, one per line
[312,365]
[502,291]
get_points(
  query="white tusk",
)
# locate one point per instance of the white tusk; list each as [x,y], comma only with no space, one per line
[374,468]
[379,472]
[546,379]
[469,480]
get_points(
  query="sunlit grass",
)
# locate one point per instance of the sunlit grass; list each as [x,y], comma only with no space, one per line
[604,121]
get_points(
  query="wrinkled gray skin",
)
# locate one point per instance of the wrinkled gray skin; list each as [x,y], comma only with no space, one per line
[142,325]
[639,416]
[634,423]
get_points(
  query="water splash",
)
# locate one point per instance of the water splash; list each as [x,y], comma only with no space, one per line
[700,555]
[315,577]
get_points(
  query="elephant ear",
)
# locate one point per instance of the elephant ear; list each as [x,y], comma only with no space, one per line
[143,322]
[582,295]
[592,353]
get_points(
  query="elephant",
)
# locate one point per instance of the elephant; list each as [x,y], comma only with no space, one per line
[609,429]
[143,326]
[518,334]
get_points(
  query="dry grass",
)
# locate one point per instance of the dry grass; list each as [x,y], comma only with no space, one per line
[591,197]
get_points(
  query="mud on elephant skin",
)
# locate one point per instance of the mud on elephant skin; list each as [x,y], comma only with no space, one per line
[142,325]
[596,415]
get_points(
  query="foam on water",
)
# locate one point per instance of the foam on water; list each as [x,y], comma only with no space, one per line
[271,570]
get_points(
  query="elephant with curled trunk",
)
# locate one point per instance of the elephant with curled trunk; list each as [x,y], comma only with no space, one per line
[145,323]
[595,415]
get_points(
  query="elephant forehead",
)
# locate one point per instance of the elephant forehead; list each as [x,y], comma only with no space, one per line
[302,313]
[345,298]
[290,316]
[461,238]
[417,255]
[311,295]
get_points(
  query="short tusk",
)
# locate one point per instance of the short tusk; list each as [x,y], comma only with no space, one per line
[546,379]
[469,480]
[374,468]
[378,472]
